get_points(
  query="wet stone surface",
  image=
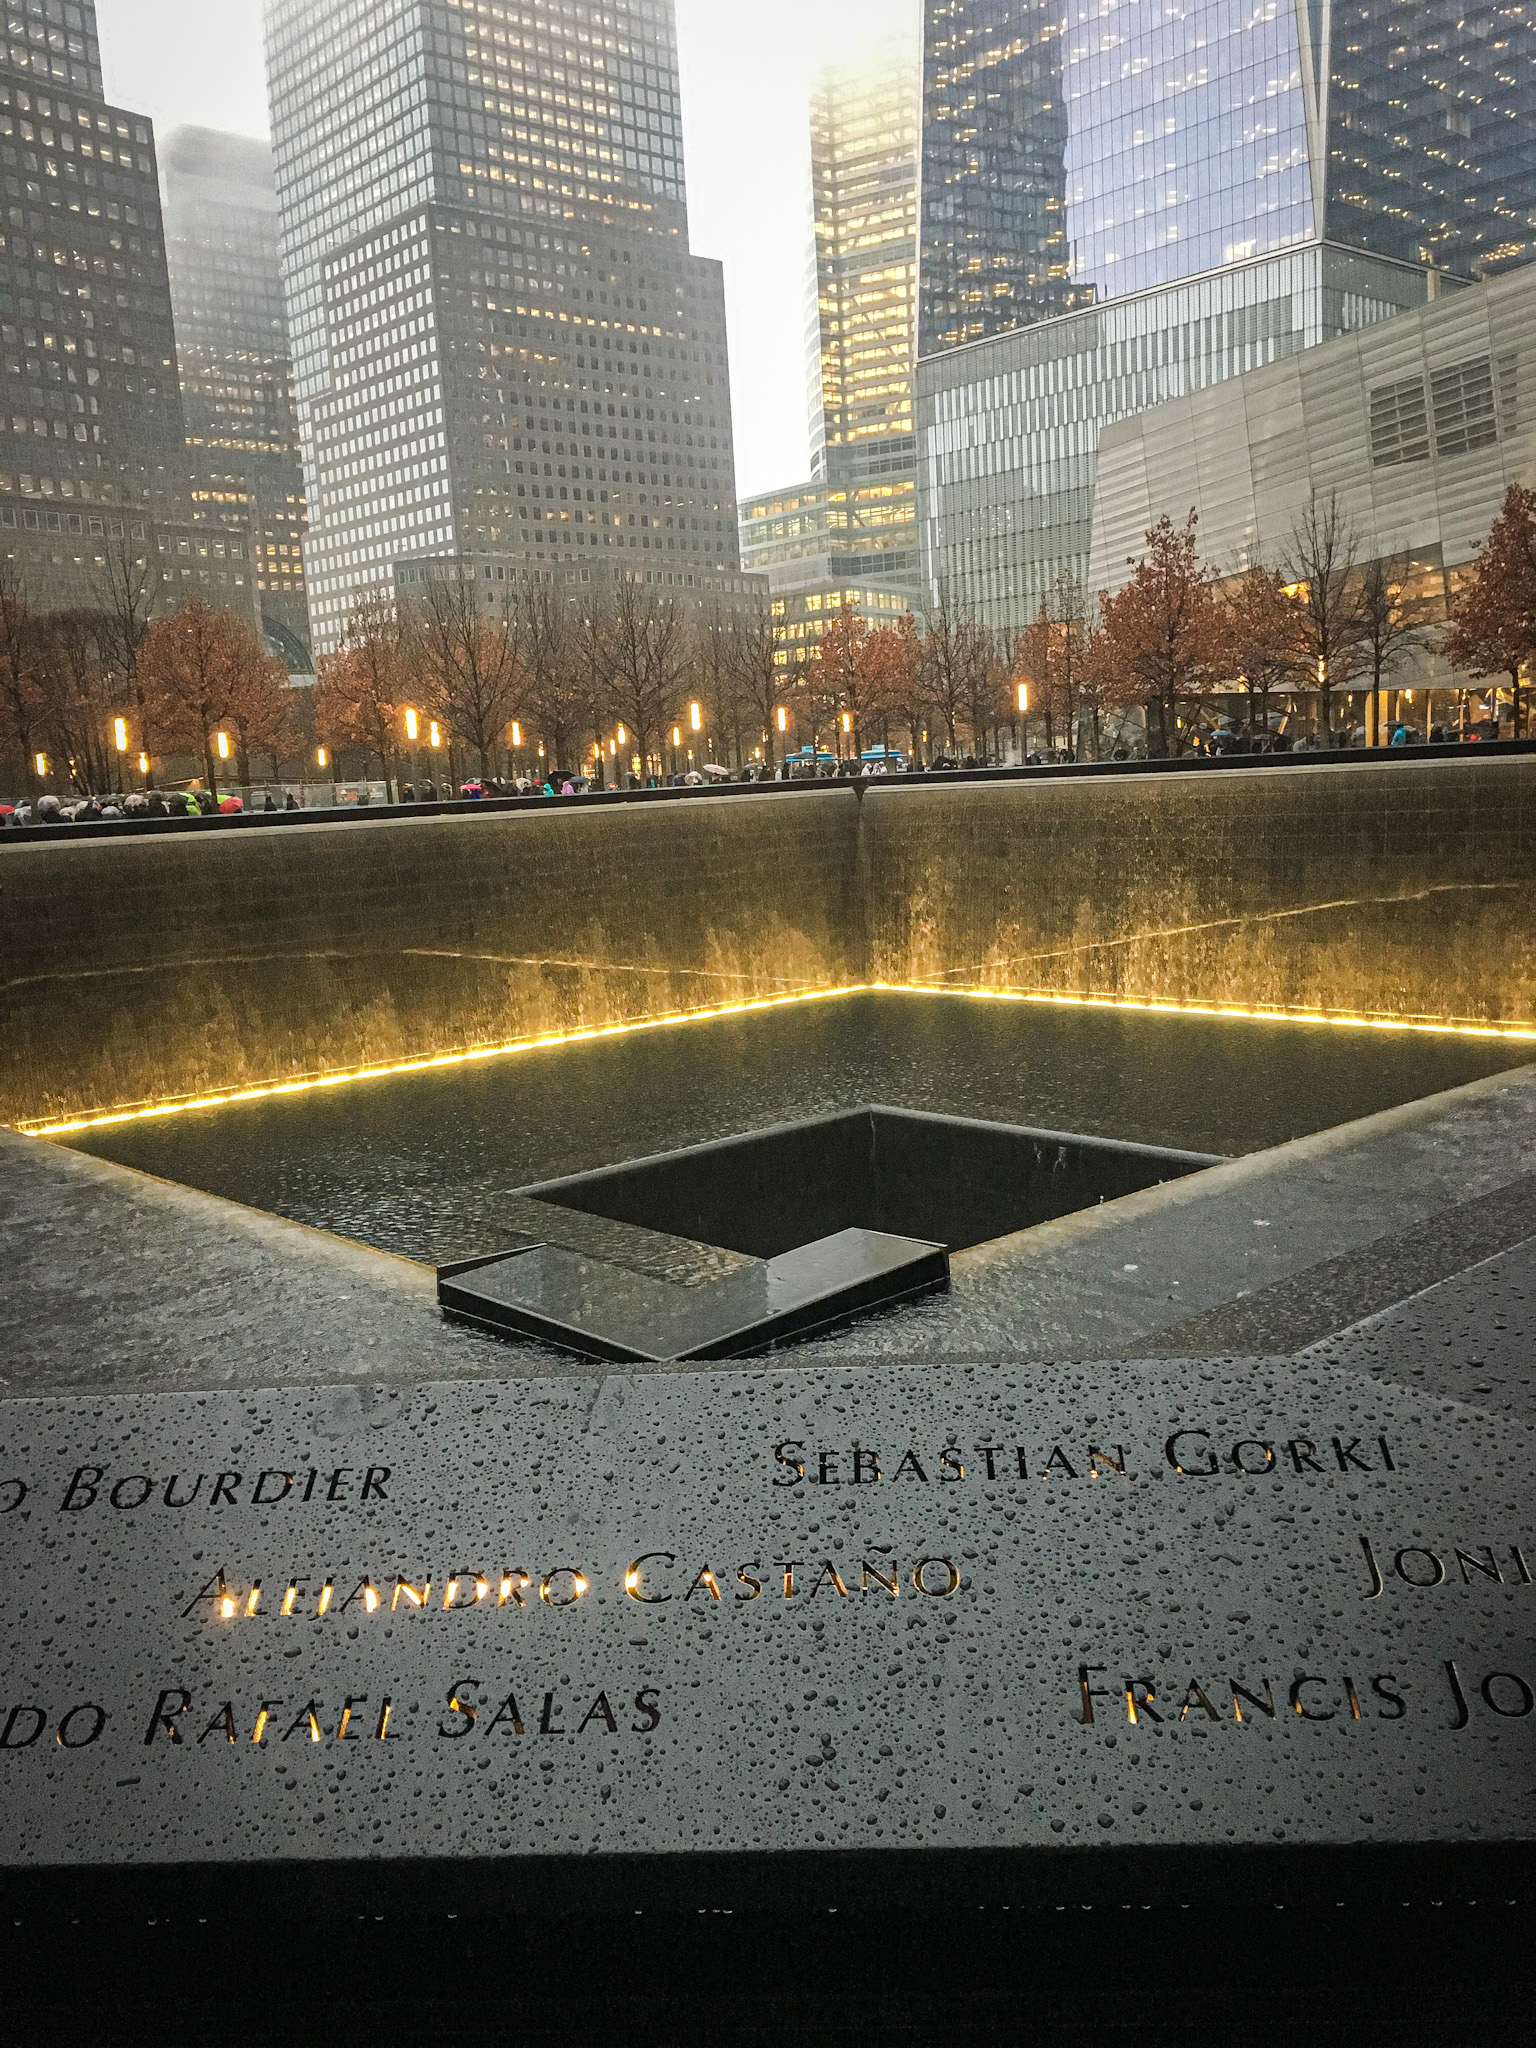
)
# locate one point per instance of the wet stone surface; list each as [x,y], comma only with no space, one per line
[766,1610]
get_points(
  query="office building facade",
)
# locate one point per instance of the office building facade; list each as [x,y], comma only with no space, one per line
[91,434]
[236,377]
[1107,225]
[854,519]
[502,345]
[1415,428]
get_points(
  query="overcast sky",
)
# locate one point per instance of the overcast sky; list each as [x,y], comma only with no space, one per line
[745,65]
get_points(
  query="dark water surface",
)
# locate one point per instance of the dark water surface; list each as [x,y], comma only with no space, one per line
[420,1164]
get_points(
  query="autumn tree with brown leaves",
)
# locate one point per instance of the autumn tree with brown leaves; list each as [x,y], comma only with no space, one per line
[1493,620]
[366,684]
[1034,667]
[851,670]
[205,672]
[960,666]
[893,658]
[1159,633]
[1261,641]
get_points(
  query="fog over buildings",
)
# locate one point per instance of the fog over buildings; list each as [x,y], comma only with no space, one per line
[233,358]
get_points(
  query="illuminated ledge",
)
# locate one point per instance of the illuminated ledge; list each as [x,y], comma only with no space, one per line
[1456,1027]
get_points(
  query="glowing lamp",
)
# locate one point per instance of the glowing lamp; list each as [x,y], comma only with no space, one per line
[120,734]
[695,718]
[621,735]
[434,734]
[677,736]
[143,764]
[783,718]
[40,762]
[221,742]
[321,757]
[1023,696]
[517,734]
[411,726]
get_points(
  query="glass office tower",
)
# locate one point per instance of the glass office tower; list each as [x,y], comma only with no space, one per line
[90,418]
[502,345]
[1122,203]
[232,353]
[854,520]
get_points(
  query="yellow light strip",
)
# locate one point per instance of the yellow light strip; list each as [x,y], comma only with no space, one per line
[1347,1020]
[178,1105]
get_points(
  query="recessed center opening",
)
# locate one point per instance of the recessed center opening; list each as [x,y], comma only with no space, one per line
[952,1181]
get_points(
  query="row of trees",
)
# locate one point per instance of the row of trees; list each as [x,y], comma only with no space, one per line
[574,676]
[82,688]
[617,676]
[1323,621]
[1321,624]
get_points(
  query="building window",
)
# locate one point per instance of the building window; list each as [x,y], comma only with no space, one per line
[1399,424]
[1464,414]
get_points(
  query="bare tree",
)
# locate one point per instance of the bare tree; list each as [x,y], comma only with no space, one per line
[21,702]
[556,685]
[1384,619]
[473,673]
[945,662]
[638,648]
[1320,566]
[127,590]
[767,667]
[80,694]
[1069,613]
[720,695]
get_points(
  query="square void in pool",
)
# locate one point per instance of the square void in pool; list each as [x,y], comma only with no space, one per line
[831,1218]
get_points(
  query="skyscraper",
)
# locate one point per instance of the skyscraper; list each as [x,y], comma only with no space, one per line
[853,522]
[502,345]
[232,354]
[91,441]
[1120,206]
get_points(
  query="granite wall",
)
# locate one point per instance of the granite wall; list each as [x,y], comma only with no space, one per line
[1398,888]
[140,968]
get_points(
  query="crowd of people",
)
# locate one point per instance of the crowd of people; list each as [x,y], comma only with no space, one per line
[1227,737]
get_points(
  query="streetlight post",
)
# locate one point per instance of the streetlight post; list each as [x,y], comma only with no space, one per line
[413,734]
